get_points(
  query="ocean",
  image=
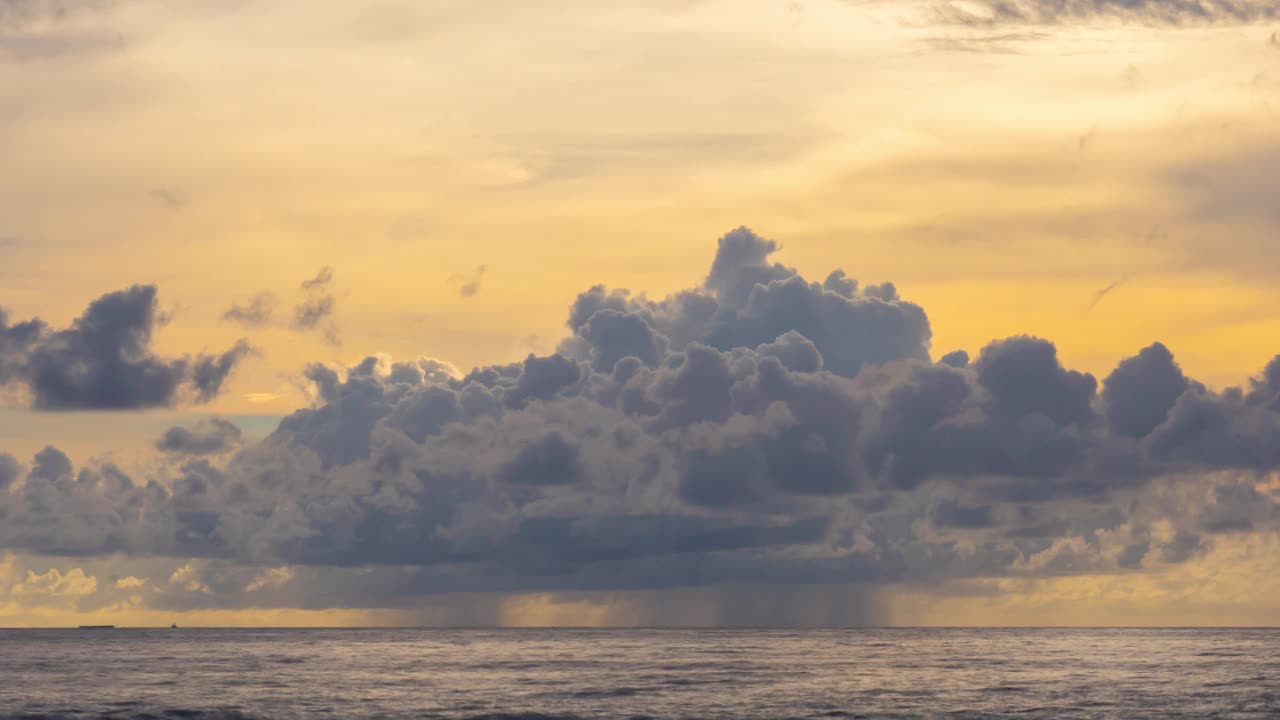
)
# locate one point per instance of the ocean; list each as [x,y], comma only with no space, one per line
[192,674]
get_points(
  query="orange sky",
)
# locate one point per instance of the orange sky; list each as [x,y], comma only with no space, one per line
[1002,178]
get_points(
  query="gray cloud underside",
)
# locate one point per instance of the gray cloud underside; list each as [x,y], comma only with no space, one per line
[210,437]
[17,13]
[44,30]
[1150,12]
[759,428]
[103,361]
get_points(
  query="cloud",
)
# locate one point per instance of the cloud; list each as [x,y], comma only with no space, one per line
[316,310]
[16,341]
[187,578]
[46,30]
[54,584]
[255,313]
[1141,391]
[103,361]
[23,12]
[1148,12]
[10,470]
[209,372]
[211,437]
[469,285]
[169,198]
[1102,293]
[310,313]
[130,583]
[275,577]
[998,43]
[759,429]
[321,280]
[746,301]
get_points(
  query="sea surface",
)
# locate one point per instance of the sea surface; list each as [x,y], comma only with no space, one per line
[412,673]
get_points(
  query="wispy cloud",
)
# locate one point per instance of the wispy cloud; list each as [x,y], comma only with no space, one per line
[1104,292]
[469,284]
[169,198]
[1000,43]
[255,312]
[316,310]
[1147,12]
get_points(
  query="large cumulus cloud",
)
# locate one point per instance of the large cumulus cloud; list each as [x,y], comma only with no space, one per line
[759,428]
[104,361]
[747,301]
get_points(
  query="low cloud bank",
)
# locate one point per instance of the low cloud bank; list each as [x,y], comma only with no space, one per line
[757,429]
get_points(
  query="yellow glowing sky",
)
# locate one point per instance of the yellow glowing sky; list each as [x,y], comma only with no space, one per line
[1000,184]
[575,144]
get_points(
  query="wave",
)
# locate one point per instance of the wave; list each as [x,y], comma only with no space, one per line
[1025,713]
[168,714]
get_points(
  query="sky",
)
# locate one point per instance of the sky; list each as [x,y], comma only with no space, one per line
[661,312]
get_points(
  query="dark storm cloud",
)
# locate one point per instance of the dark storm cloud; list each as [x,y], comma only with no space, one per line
[1147,12]
[613,335]
[758,429]
[1142,389]
[205,438]
[540,379]
[549,461]
[103,361]
[1024,378]
[1015,424]
[1227,430]
[256,312]
[950,513]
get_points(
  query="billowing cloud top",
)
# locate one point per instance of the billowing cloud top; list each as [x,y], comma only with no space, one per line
[760,427]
